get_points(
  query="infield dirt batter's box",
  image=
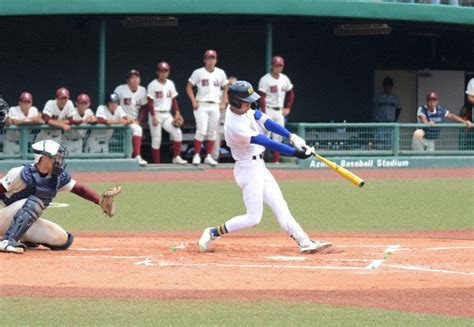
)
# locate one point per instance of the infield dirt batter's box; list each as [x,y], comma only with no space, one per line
[390,162]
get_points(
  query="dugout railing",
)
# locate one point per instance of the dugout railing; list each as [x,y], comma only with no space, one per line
[385,139]
[19,138]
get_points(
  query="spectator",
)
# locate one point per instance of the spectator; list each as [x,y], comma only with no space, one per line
[74,140]
[161,101]
[209,81]
[276,97]
[431,113]
[220,126]
[109,114]
[133,98]
[22,114]
[57,113]
[466,139]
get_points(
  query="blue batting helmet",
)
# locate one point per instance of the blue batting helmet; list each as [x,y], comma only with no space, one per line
[241,91]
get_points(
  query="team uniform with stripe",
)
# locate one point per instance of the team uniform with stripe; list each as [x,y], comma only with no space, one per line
[98,140]
[11,143]
[52,110]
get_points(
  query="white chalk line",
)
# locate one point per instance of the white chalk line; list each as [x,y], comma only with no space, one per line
[377,263]
[417,268]
[285,258]
[91,249]
[450,248]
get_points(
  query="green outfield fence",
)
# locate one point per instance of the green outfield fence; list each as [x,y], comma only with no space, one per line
[16,141]
[384,139]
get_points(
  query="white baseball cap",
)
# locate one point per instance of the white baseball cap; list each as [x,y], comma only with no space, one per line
[470,87]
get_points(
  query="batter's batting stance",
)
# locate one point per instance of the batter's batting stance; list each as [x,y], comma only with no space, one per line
[244,130]
[26,191]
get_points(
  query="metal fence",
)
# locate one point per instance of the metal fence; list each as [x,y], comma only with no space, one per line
[82,141]
[387,139]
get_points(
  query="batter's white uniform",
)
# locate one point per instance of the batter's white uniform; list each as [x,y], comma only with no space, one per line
[42,231]
[74,139]
[131,102]
[162,96]
[209,85]
[255,180]
[98,140]
[51,109]
[275,92]
[11,143]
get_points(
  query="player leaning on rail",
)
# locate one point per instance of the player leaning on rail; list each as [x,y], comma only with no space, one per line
[26,191]
[244,130]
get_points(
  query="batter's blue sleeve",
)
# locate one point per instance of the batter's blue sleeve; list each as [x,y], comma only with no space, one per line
[272,145]
[271,126]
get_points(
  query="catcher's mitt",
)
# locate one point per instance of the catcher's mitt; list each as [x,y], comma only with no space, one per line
[178,121]
[107,200]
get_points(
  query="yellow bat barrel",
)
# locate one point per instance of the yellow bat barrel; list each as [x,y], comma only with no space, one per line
[353,178]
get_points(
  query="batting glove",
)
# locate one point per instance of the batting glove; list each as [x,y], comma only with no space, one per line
[305,153]
[297,142]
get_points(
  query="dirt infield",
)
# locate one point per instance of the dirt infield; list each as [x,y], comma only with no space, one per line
[424,273]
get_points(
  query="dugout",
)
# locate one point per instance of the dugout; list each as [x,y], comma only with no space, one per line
[89,45]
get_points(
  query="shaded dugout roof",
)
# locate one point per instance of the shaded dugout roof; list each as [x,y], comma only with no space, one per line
[309,8]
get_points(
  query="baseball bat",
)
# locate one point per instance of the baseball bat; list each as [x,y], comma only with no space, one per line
[353,178]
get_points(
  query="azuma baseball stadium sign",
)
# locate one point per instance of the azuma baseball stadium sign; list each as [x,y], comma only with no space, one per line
[391,162]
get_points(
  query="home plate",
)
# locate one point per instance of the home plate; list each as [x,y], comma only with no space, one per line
[285,258]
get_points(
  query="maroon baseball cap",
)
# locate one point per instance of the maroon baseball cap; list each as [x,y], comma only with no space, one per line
[133,72]
[210,53]
[26,97]
[163,66]
[83,98]
[431,96]
[278,61]
[62,93]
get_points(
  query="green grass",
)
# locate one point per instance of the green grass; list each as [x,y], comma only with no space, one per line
[61,312]
[383,205]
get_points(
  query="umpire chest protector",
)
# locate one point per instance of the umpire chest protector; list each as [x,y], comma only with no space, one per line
[45,188]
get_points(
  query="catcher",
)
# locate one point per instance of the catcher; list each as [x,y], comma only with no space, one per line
[164,113]
[26,191]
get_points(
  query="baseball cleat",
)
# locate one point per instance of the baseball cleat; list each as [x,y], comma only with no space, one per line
[196,160]
[11,247]
[314,246]
[205,240]
[179,161]
[211,162]
[140,160]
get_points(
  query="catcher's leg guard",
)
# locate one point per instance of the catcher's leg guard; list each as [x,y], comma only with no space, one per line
[25,217]
[65,246]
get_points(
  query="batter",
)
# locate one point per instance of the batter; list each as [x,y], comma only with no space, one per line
[245,135]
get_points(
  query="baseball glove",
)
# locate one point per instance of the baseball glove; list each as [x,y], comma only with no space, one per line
[178,121]
[107,200]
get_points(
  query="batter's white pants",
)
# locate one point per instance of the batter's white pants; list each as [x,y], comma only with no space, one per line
[166,122]
[207,117]
[42,231]
[277,117]
[259,186]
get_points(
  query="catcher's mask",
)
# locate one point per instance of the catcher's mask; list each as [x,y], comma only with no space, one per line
[54,150]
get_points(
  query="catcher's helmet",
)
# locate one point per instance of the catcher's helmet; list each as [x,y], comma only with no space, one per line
[241,91]
[113,97]
[51,149]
